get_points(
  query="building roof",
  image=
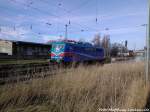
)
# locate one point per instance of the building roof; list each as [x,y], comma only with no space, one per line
[25,42]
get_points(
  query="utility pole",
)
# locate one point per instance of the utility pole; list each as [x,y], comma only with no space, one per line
[148,46]
[122,50]
[146,53]
[66,31]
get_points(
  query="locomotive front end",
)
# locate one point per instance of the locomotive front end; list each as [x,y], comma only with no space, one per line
[57,51]
[61,52]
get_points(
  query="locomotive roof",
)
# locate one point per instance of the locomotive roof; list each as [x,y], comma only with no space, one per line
[83,44]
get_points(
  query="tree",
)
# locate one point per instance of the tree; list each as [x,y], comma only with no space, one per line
[114,50]
[97,40]
[118,48]
[106,45]
[106,41]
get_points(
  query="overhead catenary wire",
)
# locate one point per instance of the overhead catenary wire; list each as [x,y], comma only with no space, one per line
[82,30]
[51,14]
[37,9]
[29,6]
[80,6]
[67,11]
[81,26]
[70,13]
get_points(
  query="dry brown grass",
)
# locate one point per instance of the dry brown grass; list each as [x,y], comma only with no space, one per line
[84,89]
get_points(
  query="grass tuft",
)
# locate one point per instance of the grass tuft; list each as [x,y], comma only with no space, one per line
[83,89]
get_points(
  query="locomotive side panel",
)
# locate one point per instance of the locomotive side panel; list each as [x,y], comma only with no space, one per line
[69,52]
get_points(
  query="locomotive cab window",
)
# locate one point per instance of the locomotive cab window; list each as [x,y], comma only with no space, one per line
[58,46]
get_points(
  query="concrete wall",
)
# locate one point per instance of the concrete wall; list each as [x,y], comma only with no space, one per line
[6,47]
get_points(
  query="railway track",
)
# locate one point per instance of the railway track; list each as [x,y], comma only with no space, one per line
[22,72]
[14,73]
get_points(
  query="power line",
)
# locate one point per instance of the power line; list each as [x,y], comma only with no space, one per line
[84,3]
[58,17]
[80,6]
[51,14]
[38,10]
[70,12]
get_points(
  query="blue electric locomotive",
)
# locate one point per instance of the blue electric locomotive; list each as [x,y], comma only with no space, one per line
[72,51]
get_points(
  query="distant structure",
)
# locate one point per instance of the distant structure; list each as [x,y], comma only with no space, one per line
[23,50]
[118,49]
[126,44]
[6,47]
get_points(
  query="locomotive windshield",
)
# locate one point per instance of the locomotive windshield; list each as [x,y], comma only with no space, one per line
[58,47]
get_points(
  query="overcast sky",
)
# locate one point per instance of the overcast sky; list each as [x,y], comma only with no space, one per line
[43,20]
